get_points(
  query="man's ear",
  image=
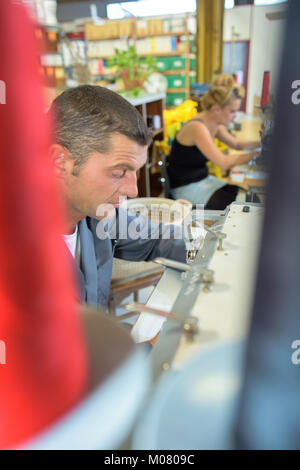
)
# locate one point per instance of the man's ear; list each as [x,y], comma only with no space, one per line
[59,156]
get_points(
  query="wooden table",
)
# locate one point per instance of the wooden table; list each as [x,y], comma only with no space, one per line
[246,183]
[250,130]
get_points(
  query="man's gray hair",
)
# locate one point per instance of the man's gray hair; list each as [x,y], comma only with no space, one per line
[86,118]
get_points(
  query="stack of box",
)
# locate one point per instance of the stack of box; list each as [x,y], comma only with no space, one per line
[174,63]
[108,30]
[99,67]
[125,28]
[154,45]
[173,25]
[155,26]
[43,11]
[104,49]
[73,52]
[144,46]
[54,76]
[177,63]
[148,27]
[170,63]
[141,27]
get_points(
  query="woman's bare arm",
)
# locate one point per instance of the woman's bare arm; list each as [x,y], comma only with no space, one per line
[224,136]
[201,137]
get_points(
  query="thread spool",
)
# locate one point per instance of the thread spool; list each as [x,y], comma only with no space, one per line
[264,99]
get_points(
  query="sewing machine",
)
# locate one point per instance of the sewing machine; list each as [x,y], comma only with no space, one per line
[200,311]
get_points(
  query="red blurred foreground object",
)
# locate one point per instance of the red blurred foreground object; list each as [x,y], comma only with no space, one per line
[45,371]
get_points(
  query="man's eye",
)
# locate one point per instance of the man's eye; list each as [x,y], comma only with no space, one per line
[119,173]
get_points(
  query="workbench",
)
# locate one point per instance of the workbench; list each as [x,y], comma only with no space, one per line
[198,377]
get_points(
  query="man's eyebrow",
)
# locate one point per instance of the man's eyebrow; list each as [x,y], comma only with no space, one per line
[122,165]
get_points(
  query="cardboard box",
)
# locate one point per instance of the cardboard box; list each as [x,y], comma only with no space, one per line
[177,63]
[176,81]
[155,26]
[175,99]
[163,63]
[125,28]
[112,29]
[102,31]
[142,28]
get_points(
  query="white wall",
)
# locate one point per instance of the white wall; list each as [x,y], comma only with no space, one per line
[265,36]
[238,18]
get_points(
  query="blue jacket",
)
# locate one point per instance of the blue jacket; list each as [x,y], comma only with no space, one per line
[96,255]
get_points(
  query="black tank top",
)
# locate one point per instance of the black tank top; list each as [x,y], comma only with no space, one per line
[187,164]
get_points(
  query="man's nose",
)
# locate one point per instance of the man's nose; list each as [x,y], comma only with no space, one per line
[129,186]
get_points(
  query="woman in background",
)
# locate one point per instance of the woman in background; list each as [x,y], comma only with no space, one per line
[194,145]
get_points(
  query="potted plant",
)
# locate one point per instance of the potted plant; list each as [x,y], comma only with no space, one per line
[132,69]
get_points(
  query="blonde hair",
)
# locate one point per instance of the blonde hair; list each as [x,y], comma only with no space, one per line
[222,90]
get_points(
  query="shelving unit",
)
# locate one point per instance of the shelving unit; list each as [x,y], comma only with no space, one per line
[51,62]
[149,177]
[182,84]
[100,40]
[174,59]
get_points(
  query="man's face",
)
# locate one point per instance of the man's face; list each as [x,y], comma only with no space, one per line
[104,178]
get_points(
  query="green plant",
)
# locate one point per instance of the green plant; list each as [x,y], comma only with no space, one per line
[131,68]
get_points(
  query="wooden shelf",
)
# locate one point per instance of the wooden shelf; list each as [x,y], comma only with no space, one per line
[157,131]
[144,36]
[163,54]
[103,76]
[177,90]
[171,33]
[177,71]
[157,54]
[172,72]
[103,57]
[114,38]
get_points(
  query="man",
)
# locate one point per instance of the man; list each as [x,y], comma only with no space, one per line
[100,142]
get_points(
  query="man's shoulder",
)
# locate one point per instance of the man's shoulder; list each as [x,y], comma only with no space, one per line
[103,230]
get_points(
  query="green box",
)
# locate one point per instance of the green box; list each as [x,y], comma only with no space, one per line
[193,63]
[163,63]
[174,63]
[179,81]
[176,81]
[177,63]
[175,99]
[193,48]
[192,80]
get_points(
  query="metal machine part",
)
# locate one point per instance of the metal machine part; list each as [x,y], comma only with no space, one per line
[196,278]
[189,325]
[169,338]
